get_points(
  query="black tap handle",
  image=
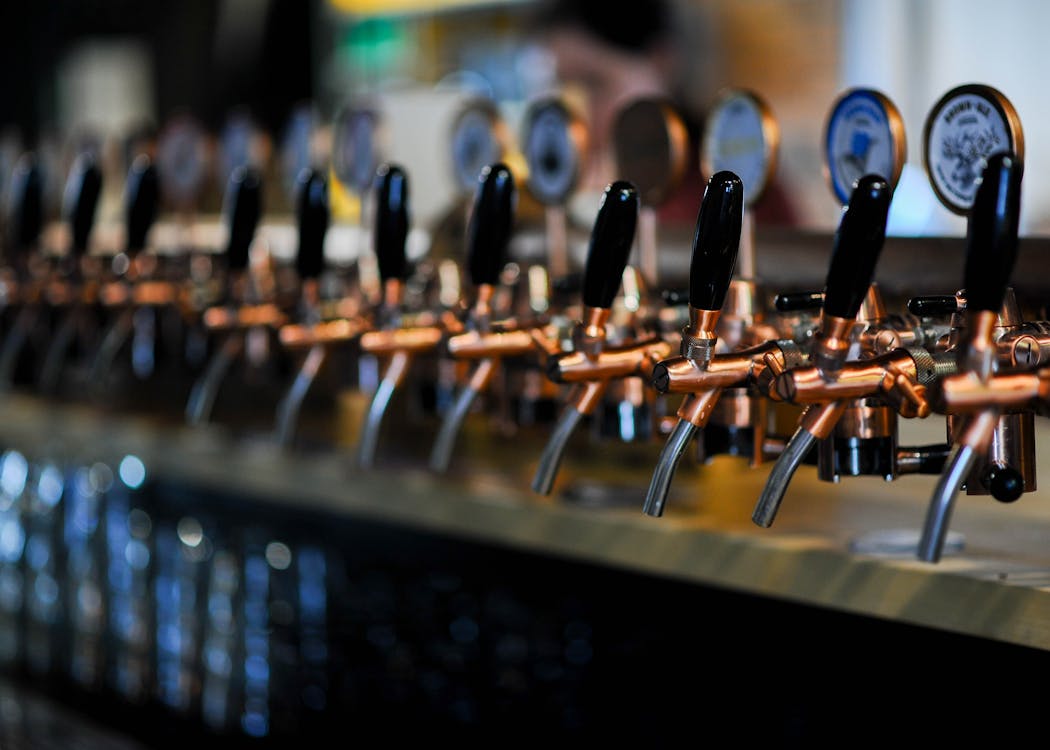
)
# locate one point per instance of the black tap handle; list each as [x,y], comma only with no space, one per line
[858,242]
[27,204]
[491,222]
[991,243]
[933,305]
[312,215]
[82,191]
[798,301]
[391,222]
[611,241]
[243,209]
[142,200]
[716,241]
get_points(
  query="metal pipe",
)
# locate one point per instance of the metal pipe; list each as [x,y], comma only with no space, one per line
[656,497]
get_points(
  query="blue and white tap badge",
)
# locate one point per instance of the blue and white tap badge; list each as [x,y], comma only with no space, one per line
[968,124]
[864,135]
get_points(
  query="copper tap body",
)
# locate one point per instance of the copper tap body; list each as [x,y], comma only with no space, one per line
[635,359]
[730,370]
[967,393]
[895,373]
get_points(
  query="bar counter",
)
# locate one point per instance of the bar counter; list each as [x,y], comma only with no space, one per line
[837,546]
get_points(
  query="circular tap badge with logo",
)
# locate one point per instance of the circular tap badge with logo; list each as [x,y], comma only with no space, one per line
[553,152]
[968,124]
[864,135]
[741,136]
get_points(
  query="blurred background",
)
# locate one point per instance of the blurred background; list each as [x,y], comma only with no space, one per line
[111,70]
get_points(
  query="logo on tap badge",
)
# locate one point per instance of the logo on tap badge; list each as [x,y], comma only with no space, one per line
[965,127]
[864,135]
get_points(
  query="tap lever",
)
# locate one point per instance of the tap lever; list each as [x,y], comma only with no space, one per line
[858,243]
[991,247]
[391,222]
[611,240]
[491,224]
[312,216]
[80,198]
[141,202]
[25,214]
[243,206]
[716,241]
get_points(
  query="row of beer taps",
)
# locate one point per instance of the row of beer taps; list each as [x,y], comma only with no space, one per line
[842,363]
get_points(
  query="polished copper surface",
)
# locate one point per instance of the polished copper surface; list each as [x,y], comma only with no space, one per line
[402,339]
[615,362]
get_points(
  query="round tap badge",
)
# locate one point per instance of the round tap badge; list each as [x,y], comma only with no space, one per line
[477,140]
[864,135]
[741,135]
[651,144]
[182,160]
[555,141]
[355,150]
[968,124]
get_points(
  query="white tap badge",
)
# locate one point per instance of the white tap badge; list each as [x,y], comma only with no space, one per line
[968,124]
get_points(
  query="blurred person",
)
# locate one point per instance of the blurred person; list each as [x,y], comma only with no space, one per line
[610,54]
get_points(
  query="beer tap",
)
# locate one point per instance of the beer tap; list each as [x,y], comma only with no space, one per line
[312,214]
[698,371]
[240,312]
[857,245]
[486,340]
[489,232]
[390,234]
[989,409]
[741,135]
[79,316]
[593,363]
[136,294]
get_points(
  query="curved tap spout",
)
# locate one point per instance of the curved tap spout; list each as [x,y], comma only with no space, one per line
[991,251]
